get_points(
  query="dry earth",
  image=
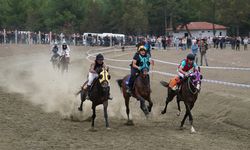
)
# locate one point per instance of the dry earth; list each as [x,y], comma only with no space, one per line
[36,102]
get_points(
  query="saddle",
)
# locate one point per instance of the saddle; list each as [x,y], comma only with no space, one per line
[127,82]
[133,86]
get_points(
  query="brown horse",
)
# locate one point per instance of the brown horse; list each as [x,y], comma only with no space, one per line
[98,94]
[55,60]
[141,92]
[64,63]
[188,93]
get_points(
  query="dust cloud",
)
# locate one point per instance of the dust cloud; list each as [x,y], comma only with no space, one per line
[33,76]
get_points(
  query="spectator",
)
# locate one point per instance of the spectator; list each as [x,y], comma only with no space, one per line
[245,41]
[194,49]
[203,50]
[238,44]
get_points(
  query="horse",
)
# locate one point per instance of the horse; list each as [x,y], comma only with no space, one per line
[64,63]
[55,60]
[188,93]
[141,92]
[98,94]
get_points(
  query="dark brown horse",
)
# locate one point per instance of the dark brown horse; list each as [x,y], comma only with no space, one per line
[188,93]
[141,92]
[55,60]
[98,94]
[64,63]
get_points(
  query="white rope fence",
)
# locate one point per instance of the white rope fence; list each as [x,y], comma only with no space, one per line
[166,73]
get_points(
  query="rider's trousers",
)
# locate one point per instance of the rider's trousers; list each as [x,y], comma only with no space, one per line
[91,77]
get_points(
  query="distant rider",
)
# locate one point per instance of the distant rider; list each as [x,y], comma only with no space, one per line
[55,50]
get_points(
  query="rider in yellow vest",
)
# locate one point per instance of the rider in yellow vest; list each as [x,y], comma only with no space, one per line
[94,71]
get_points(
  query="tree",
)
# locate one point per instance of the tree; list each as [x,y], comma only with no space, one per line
[135,19]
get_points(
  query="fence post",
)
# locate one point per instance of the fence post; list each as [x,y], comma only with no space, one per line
[74,39]
[50,37]
[39,37]
[16,36]
[110,41]
[28,37]
[4,36]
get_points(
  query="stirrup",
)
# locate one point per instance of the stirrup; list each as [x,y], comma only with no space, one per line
[128,91]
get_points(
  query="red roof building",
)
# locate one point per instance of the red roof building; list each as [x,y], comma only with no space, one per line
[200,30]
[201,26]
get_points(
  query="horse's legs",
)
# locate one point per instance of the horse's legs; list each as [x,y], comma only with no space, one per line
[170,97]
[184,118]
[150,104]
[66,67]
[189,108]
[166,105]
[83,98]
[142,102]
[178,105]
[189,114]
[93,115]
[62,69]
[143,106]
[105,107]
[127,106]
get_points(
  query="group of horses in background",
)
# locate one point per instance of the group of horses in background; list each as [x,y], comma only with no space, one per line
[60,63]
[188,93]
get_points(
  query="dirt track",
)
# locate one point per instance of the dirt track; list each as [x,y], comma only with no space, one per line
[36,102]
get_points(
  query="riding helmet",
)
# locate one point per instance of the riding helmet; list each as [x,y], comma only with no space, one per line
[190,56]
[142,48]
[99,57]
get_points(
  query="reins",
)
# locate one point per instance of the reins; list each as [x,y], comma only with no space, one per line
[190,89]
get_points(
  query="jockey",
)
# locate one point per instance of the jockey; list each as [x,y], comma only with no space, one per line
[55,50]
[184,69]
[186,65]
[65,50]
[140,61]
[95,70]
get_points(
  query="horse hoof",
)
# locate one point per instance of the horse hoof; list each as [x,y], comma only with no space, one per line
[92,129]
[181,128]
[163,112]
[192,131]
[79,108]
[88,119]
[129,123]
[149,109]
[108,128]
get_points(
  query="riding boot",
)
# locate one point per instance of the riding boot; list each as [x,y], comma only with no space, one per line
[130,85]
[128,89]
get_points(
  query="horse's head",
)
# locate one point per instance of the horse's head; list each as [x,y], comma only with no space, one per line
[196,78]
[144,72]
[104,78]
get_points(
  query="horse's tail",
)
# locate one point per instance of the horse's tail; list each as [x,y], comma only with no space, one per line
[164,83]
[77,93]
[119,82]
